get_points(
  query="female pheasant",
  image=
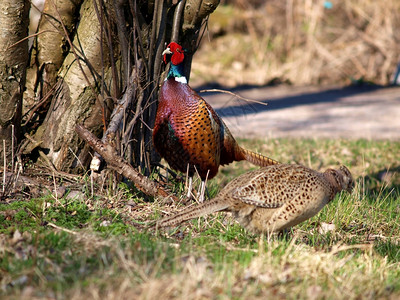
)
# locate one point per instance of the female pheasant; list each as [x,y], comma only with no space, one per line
[188,133]
[273,198]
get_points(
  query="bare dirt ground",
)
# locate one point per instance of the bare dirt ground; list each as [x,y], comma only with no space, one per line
[369,112]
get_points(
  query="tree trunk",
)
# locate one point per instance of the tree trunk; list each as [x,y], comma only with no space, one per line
[75,98]
[49,51]
[13,61]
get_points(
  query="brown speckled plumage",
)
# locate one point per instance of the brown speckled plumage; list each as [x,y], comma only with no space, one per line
[187,131]
[272,198]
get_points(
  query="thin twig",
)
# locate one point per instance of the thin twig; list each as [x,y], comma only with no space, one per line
[12,148]
[204,25]
[55,189]
[114,71]
[336,249]
[91,184]
[61,228]
[157,61]
[139,111]
[17,176]
[30,36]
[234,94]
[32,140]
[100,19]
[153,35]
[137,36]
[197,11]
[4,166]
[47,160]
[46,97]
[77,158]
[122,37]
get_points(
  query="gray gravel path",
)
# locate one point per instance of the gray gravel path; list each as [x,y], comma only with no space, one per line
[350,112]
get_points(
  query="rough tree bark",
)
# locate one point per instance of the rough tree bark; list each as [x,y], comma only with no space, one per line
[75,97]
[48,54]
[13,61]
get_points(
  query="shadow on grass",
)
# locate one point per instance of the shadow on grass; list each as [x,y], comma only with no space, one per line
[384,181]
[388,249]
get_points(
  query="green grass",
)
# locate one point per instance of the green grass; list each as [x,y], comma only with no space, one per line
[97,248]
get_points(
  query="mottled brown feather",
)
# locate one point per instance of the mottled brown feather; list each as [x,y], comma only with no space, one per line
[272,198]
[188,131]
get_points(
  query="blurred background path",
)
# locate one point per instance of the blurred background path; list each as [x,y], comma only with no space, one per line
[369,112]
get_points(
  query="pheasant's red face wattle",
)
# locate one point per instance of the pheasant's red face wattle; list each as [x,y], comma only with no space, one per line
[177,53]
[177,57]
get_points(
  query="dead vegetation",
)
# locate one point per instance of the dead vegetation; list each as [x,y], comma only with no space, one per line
[95,246]
[301,42]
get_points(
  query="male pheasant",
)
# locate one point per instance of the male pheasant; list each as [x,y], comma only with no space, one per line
[188,133]
[272,198]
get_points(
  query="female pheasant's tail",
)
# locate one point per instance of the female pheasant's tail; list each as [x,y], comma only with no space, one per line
[205,208]
[257,159]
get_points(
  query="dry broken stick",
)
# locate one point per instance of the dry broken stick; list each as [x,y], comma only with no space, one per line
[118,164]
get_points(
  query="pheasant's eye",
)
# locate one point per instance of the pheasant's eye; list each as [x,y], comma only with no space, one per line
[177,57]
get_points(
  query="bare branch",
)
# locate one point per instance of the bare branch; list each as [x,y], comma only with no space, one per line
[117,116]
[122,36]
[176,26]
[196,11]
[30,36]
[161,20]
[118,164]
[234,94]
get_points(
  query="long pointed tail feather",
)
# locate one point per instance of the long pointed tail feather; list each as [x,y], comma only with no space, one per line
[193,212]
[257,159]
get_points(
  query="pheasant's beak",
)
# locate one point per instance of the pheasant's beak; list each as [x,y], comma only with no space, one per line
[167,51]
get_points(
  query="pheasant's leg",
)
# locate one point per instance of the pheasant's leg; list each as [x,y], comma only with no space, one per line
[190,185]
[202,191]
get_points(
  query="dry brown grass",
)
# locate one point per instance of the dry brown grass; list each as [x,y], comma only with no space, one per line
[300,272]
[301,42]
[98,248]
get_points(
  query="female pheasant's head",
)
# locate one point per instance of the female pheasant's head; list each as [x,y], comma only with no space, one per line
[175,54]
